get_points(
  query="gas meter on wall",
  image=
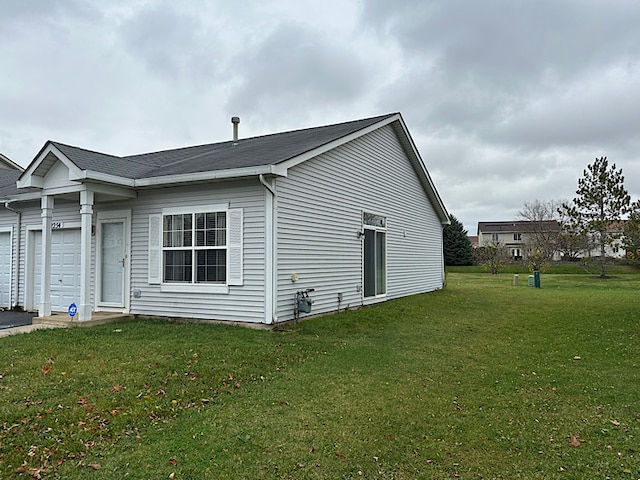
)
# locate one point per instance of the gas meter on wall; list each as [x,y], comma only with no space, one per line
[303,302]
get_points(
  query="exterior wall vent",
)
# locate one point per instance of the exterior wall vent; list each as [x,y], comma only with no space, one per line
[235,121]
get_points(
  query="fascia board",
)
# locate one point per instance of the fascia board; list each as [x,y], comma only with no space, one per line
[10,163]
[203,176]
[100,177]
[111,190]
[92,187]
[22,197]
[282,167]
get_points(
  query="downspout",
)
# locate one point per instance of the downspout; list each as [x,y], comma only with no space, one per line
[271,297]
[16,273]
[266,185]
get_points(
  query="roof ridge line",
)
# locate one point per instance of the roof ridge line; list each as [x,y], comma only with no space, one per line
[240,141]
[261,136]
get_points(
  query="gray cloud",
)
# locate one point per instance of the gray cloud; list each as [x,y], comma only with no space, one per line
[507,101]
[172,43]
[297,68]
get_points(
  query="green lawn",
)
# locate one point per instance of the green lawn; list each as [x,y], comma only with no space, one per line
[481,380]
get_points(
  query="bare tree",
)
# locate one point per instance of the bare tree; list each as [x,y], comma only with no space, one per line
[542,231]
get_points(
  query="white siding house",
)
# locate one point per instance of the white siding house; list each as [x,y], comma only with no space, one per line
[228,231]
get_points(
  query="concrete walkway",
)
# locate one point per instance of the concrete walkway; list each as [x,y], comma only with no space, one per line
[5,332]
[12,323]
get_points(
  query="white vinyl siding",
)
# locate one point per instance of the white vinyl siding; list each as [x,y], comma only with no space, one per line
[320,206]
[244,301]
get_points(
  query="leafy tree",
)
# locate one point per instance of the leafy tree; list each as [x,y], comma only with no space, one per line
[542,231]
[457,247]
[600,203]
[631,239]
[494,256]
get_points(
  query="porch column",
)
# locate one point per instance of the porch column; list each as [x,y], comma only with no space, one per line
[86,215]
[46,205]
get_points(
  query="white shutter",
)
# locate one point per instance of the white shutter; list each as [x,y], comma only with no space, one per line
[155,249]
[234,247]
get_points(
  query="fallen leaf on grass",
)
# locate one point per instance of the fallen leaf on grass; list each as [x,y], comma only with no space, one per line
[173,461]
[95,466]
[615,422]
[45,369]
[117,388]
[574,441]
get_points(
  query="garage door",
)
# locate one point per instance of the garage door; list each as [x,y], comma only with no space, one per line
[5,269]
[65,269]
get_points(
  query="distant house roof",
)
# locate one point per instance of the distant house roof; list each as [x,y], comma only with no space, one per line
[515,226]
[7,163]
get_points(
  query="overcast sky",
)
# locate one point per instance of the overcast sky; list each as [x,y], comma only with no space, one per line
[507,100]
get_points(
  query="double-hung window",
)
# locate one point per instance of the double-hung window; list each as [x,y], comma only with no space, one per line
[196,249]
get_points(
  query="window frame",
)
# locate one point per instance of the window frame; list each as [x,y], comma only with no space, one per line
[194,286]
[380,240]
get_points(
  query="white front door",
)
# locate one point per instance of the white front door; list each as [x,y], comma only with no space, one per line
[5,269]
[113,260]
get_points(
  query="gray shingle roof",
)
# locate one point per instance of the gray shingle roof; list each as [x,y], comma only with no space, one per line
[247,152]
[8,180]
[515,226]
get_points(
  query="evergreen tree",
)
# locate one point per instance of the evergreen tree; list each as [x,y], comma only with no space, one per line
[457,247]
[601,202]
[631,239]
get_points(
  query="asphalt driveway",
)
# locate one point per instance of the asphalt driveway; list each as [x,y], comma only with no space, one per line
[10,319]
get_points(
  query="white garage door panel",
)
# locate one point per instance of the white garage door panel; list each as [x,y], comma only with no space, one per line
[65,269]
[5,269]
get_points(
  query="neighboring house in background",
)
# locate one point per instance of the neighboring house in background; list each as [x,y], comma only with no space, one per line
[616,250]
[226,231]
[7,164]
[473,240]
[515,235]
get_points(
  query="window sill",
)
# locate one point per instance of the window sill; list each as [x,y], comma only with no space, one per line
[193,288]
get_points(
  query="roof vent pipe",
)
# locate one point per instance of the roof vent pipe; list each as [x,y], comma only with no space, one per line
[235,121]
